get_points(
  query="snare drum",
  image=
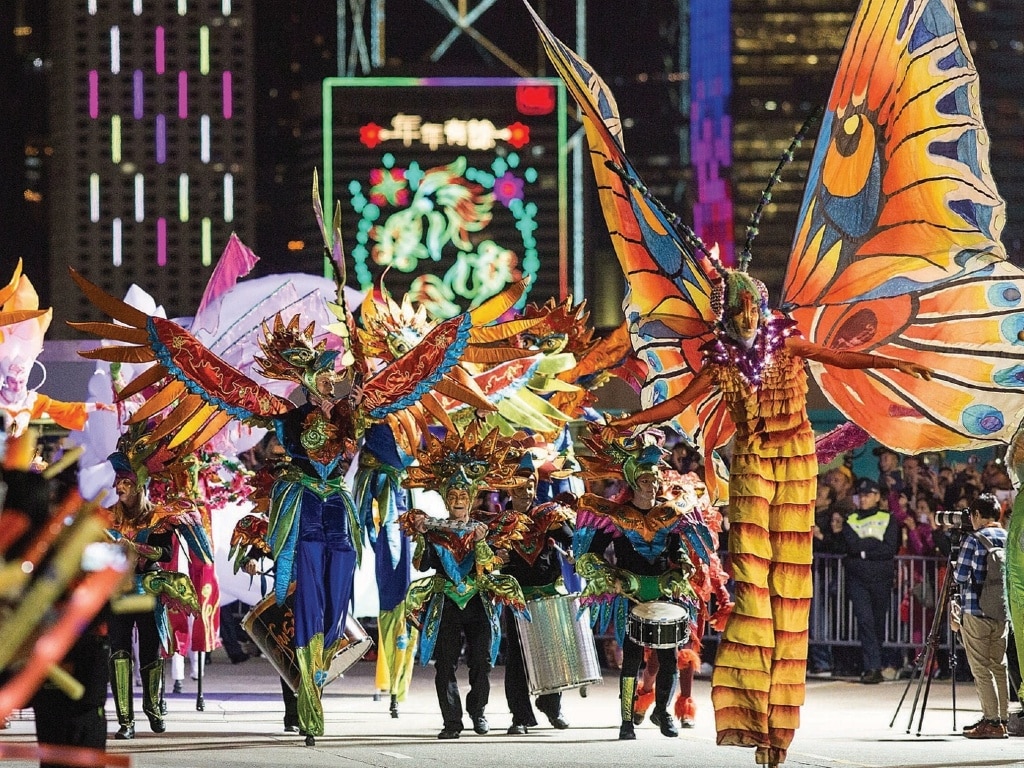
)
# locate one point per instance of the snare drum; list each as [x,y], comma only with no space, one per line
[272,629]
[558,645]
[658,625]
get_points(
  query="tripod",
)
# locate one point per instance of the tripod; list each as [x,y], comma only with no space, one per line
[926,657]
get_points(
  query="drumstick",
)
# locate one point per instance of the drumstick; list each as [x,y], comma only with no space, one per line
[563,552]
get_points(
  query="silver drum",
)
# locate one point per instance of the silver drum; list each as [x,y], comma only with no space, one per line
[558,645]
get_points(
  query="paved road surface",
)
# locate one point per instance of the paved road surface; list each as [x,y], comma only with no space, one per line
[845,725]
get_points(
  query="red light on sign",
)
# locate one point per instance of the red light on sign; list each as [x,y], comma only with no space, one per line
[518,135]
[369,135]
[535,99]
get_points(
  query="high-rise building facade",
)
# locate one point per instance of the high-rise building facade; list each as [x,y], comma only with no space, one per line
[151,124]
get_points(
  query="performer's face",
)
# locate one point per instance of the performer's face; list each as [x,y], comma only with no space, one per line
[744,319]
[127,489]
[647,487]
[523,495]
[14,383]
[458,500]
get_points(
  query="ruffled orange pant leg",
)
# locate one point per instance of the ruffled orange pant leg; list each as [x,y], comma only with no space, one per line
[758,682]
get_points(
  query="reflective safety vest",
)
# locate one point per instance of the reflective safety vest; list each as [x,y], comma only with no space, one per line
[871,527]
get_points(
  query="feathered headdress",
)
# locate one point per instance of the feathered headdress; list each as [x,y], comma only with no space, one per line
[623,457]
[468,460]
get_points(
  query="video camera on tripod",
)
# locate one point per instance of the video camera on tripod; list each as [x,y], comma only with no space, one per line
[960,518]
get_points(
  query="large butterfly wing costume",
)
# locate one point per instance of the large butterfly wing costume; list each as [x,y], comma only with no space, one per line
[668,299]
[896,252]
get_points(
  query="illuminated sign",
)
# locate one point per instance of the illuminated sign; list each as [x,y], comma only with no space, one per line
[455,185]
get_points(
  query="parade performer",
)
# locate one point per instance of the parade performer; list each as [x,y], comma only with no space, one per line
[146,529]
[896,255]
[656,542]
[20,346]
[709,581]
[535,561]
[313,527]
[462,601]
[212,481]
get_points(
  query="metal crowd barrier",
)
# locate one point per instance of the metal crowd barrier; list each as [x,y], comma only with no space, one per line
[912,604]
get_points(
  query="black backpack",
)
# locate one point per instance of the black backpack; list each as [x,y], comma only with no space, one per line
[991,594]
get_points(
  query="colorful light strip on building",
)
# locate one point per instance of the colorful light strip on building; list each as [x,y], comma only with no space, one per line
[94,197]
[204,50]
[144,55]
[229,197]
[161,139]
[138,94]
[115,50]
[183,197]
[183,94]
[115,139]
[140,197]
[204,138]
[205,244]
[161,241]
[160,51]
[226,96]
[117,245]
[94,94]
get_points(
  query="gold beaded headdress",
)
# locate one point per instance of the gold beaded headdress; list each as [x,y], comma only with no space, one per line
[469,460]
[291,354]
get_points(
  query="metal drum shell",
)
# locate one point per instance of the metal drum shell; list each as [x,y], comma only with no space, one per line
[272,629]
[658,625]
[558,645]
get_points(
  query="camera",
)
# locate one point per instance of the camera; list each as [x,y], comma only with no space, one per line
[960,518]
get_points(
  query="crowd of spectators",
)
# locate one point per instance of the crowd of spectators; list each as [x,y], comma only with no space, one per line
[913,489]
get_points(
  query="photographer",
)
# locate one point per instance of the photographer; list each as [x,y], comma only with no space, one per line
[983,637]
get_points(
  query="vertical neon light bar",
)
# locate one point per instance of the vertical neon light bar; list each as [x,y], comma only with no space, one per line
[92,7]
[161,139]
[183,94]
[229,197]
[116,233]
[206,238]
[161,241]
[94,197]
[115,139]
[160,51]
[225,7]
[183,197]
[137,94]
[140,193]
[137,7]
[226,84]
[94,94]
[182,7]
[115,50]
[204,138]
[204,50]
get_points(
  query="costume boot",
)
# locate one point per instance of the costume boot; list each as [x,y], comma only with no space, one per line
[627,690]
[664,690]
[121,686]
[152,692]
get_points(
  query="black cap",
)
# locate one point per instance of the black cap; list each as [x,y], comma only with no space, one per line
[867,485]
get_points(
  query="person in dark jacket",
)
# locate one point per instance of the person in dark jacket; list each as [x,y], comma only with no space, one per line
[535,562]
[870,538]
